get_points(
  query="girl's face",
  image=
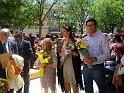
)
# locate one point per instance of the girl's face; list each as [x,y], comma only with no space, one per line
[65,33]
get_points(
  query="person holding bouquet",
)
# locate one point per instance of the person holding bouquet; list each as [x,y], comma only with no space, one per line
[47,63]
[69,63]
[98,49]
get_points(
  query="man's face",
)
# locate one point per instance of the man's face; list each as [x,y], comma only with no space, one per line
[18,38]
[91,27]
[3,36]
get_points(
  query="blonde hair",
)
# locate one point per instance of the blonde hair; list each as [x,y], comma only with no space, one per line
[48,42]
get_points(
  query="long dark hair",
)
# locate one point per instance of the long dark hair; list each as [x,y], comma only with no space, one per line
[69,29]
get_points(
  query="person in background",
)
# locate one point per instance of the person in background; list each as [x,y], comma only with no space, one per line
[24,49]
[118,77]
[31,38]
[98,48]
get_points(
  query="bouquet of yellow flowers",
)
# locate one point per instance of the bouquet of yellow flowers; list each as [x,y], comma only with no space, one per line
[82,47]
[45,58]
[3,85]
[83,51]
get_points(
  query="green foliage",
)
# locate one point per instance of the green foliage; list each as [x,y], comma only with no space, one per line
[26,15]
[7,11]
[21,13]
[108,12]
[74,13]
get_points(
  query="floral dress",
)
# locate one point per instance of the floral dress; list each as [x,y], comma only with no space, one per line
[49,79]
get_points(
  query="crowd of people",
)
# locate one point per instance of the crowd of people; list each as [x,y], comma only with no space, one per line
[58,56]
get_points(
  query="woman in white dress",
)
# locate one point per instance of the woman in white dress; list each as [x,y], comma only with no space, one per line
[69,66]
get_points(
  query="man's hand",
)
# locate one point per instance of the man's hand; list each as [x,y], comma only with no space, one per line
[89,60]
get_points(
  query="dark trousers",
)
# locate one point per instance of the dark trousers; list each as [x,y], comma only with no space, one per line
[32,62]
[25,75]
[12,91]
[97,74]
[122,89]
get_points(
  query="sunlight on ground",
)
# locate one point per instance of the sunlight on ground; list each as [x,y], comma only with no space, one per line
[35,86]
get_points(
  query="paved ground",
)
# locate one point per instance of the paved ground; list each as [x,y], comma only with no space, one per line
[35,87]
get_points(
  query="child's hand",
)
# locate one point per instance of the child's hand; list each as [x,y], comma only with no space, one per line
[49,59]
[42,65]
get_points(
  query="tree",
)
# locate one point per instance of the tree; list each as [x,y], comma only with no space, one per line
[108,12]
[75,12]
[42,13]
[26,15]
[7,11]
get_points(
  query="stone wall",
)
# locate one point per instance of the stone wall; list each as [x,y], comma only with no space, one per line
[35,30]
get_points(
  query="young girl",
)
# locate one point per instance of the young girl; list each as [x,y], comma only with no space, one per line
[48,81]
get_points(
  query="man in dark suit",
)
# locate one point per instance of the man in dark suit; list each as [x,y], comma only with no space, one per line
[6,46]
[24,50]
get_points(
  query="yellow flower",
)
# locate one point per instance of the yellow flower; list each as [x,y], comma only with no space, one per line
[45,57]
[83,44]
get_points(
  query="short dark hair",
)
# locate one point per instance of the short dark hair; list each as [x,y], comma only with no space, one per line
[91,20]
[18,33]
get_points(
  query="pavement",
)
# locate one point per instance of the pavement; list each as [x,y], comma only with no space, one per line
[35,87]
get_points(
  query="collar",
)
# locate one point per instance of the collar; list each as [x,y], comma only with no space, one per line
[94,35]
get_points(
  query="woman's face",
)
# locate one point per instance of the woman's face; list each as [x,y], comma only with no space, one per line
[65,33]
[46,46]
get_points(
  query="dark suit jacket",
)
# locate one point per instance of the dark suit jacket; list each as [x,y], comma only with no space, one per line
[24,49]
[2,71]
[12,48]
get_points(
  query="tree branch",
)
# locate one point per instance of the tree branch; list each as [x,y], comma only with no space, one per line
[49,10]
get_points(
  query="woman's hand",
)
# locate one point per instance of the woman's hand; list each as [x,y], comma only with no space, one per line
[61,53]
